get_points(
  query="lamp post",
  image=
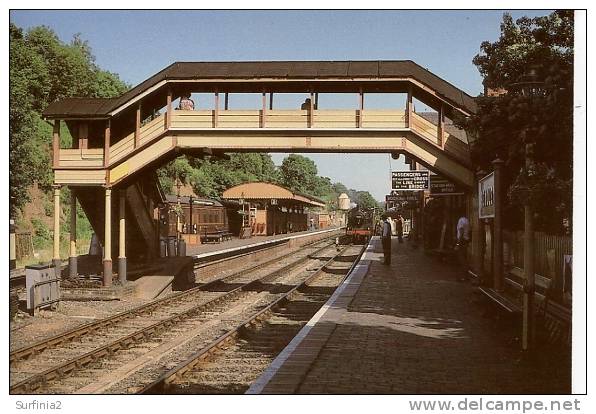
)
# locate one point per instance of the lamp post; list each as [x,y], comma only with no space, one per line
[190,201]
[178,207]
[530,88]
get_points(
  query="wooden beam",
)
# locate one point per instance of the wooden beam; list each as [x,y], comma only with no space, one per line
[216,110]
[83,135]
[264,109]
[122,236]
[56,143]
[106,145]
[311,108]
[409,108]
[360,107]
[107,242]
[168,109]
[441,126]
[138,127]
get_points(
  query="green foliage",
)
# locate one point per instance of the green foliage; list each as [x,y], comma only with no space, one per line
[41,234]
[211,177]
[365,200]
[299,174]
[505,123]
[42,70]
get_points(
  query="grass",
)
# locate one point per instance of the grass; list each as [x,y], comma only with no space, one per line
[45,253]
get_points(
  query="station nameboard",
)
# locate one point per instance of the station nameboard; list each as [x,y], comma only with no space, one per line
[440,186]
[410,180]
[486,196]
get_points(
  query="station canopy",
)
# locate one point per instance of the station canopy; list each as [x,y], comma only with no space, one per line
[267,191]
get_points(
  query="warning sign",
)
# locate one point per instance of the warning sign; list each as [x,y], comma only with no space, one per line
[410,180]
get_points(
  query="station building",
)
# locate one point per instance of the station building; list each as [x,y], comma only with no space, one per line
[272,209]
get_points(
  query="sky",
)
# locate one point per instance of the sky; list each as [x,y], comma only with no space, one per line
[138,44]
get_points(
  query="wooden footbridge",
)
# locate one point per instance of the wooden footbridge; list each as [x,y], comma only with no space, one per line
[118,142]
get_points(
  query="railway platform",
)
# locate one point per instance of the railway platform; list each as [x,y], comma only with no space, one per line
[158,276]
[201,251]
[410,328]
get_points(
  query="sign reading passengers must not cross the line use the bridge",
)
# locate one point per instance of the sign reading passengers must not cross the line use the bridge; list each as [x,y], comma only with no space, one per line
[410,180]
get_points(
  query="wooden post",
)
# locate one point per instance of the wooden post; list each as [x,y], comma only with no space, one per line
[216,110]
[122,237]
[56,143]
[360,107]
[316,100]
[271,101]
[479,233]
[311,107]
[168,109]
[529,274]
[441,126]
[72,259]
[263,109]
[107,245]
[83,135]
[498,227]
[56,253]
[409,108]
[138,127]
[12,245]
[106,145]
[226,101]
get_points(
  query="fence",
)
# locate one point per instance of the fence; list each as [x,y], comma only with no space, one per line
[24,245]
[549,254]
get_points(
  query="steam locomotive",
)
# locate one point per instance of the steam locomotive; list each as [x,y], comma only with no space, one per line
[360,225]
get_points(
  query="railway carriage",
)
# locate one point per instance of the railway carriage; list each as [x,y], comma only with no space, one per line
[205,216]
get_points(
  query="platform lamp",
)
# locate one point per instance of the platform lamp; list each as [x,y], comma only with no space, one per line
[530,88]
[190,201]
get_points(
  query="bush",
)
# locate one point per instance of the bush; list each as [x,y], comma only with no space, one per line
[41,234]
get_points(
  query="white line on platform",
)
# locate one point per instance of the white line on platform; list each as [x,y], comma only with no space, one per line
[257,387]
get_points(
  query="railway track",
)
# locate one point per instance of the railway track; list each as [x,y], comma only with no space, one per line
[233,361]
[36,368]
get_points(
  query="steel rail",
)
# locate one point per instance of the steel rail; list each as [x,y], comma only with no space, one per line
[37,380]
[85,329]
[162,384]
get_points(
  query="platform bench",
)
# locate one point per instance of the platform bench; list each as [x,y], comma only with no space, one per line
[216,236]
[503,302]
[507,304]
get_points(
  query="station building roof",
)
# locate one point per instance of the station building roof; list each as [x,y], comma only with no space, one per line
[196,201]
[267,191]
[230,73]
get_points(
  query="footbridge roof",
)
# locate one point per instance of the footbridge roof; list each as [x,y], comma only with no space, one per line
[278,76]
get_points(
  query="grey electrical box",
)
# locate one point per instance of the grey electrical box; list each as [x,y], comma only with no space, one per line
[43,287]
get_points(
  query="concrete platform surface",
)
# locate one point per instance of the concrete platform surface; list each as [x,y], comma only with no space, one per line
[410,328]
[151,285]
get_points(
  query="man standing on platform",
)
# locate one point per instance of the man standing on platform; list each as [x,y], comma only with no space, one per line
[399,228]
[463,238]
[386,239]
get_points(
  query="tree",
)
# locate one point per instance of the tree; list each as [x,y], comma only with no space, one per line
[299,173]
[42,70]
[503,122]
[364,199]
